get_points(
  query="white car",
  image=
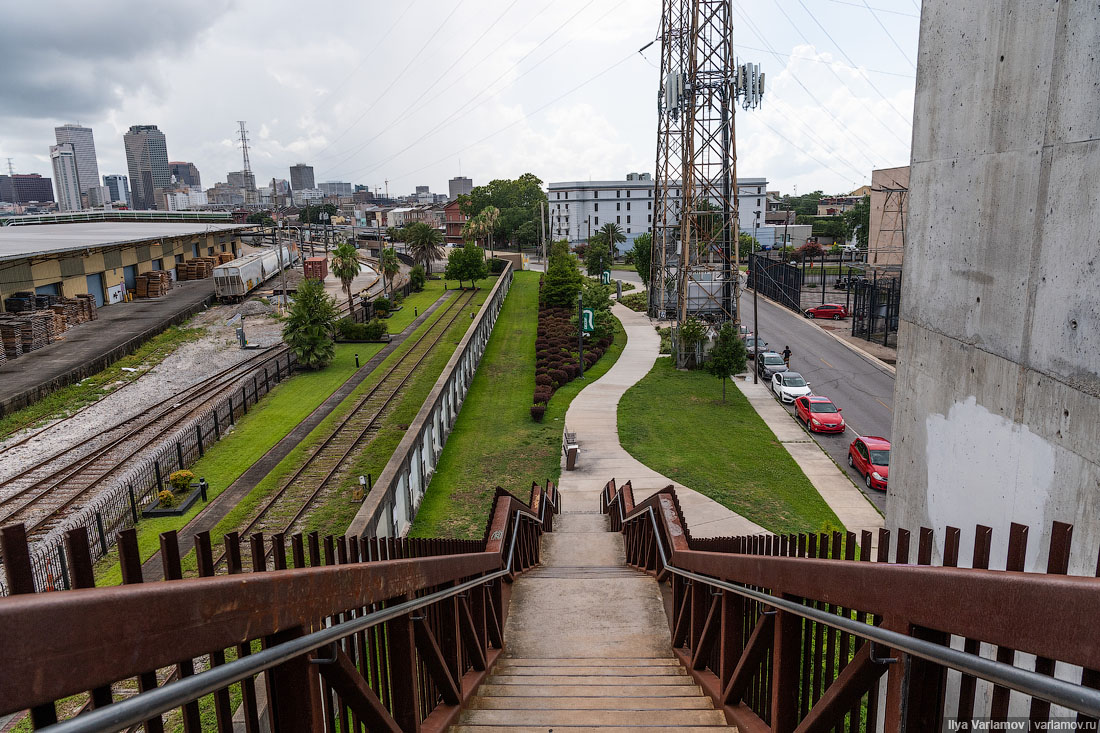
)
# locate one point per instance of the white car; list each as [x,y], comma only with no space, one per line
[789,386]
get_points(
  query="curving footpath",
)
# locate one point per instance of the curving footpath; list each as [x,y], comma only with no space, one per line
[593,416]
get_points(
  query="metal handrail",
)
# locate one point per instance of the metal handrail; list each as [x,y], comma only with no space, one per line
[1075,697]
[145,705]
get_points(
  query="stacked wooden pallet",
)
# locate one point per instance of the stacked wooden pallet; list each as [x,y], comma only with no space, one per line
[10,342]
[199,268]
[88,303]
[153,284]
[26,332]
[224,257]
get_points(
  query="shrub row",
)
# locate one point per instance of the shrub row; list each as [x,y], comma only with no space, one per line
[556,355]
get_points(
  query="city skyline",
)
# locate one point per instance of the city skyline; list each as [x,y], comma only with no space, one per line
[562,93]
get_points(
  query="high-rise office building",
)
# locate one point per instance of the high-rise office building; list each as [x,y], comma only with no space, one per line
[458,186]
[65,176]
[147,159]
[301,177]
[244,180]
[119,188]
[335,188]
[22,188]
[185,173]
[80,137]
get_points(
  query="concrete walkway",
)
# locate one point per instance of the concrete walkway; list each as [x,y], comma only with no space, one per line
[593,416]
[844,498]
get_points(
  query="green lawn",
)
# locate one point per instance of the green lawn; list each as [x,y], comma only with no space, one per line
[495,442]
[623,267]
[68,400]
[676,423]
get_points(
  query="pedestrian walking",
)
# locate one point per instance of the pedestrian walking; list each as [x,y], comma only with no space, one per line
[787,356]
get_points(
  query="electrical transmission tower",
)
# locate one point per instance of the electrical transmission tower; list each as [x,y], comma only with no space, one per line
[891,229]
[693,271]
[250,179]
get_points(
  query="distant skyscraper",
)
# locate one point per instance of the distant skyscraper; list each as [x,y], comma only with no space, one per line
[147,159]
[301,177]
[65,176]
[119,188]
[458,186]
[422,189]
[80,137]
[243,180]
[335,188]
[185,173]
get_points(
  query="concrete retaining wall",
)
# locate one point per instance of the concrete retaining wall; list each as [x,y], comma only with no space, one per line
[395,498]
[998,383]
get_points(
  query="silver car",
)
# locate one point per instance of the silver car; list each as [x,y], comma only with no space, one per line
[789,386]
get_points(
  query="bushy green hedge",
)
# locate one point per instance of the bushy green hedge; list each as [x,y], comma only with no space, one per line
[349,330]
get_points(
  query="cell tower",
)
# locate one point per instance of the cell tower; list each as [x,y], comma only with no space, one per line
[250,195]
[693,270]
[244,147]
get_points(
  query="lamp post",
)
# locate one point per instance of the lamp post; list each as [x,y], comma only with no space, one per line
[324,223]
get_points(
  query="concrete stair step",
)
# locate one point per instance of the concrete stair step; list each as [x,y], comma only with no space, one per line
[586,662]
[554,718]
[583,729]
[539,689]
[580,679]
[697,702]
[611,670]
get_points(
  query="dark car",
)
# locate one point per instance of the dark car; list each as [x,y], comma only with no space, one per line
[769,363]
[752,345]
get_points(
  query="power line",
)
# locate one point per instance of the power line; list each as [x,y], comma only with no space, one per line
[423,94]
[859,141]
[397,78]
[890,35]
[525,117]
[804,151]
[881,10]
[839,78]
[846,56]
[823,61]
[472,102]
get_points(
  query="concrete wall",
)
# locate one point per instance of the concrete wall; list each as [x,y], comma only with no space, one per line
[885,238]
[997,402]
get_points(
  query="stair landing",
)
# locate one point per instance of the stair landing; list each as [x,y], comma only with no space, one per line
[587,647]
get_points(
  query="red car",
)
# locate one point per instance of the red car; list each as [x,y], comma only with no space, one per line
[836,311]
[819,414]
[870,455]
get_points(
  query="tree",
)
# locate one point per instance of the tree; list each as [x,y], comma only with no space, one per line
[417,277]
[467,263]
[312,214]
[309,326]
[691,334]
[612,236]
[563,280]
[598,297]
[643,253]
[262,218]
[597,258]
[728,355]
[747,243]
[517,201]
[812,250]
[490,215]
[857,222]
[806,204]
[424,244]
[829,226]
[528,234]
[395,234]
[390,267]
[345,266]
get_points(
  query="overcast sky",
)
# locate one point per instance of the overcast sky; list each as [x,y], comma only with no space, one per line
[417,91]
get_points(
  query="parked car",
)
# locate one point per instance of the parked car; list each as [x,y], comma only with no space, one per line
[789,386]
[819,414]
[753,344]
[746,333]
[769,363]
[836,311]
[870,456]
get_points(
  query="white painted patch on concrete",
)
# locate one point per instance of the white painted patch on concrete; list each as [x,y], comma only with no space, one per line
[986,469]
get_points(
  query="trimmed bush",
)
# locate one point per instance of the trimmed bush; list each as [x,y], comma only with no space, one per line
[537,411]
[543,380]
[349,330]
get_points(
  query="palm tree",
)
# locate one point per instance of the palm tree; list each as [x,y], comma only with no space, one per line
[390,267]
[613,235]
[473,228]
[424,244]
[345,266]
[490,215]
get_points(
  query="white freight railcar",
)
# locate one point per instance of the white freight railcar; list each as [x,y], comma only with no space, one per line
[236,279]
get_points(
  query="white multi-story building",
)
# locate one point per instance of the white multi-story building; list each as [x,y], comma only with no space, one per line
[83,142]
[190,198]
[335,188]
[580,207]
[65,177]
[307,196]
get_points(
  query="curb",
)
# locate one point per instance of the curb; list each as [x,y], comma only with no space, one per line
[865,354]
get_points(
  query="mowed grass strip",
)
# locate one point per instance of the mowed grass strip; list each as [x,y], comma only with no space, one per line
[675,422]
[495,442]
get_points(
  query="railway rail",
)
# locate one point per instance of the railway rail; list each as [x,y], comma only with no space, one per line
[285,509]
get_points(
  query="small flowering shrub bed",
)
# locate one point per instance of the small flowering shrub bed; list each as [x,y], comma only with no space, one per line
[556,361]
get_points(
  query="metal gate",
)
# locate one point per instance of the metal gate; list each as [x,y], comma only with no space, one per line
[780,281]
[875,305]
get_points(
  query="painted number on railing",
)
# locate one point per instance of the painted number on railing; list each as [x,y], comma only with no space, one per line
[498,535]
[588,320]
[606,277]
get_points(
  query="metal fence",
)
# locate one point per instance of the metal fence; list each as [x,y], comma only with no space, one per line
[875,306]
[805,632]
[778,280]
[137,487]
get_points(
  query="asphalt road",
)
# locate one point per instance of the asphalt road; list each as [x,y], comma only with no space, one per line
[862,388]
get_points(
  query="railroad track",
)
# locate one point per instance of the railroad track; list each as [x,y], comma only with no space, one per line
[41,494]
[285,509]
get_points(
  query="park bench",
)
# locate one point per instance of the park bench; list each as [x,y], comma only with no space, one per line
[570,446]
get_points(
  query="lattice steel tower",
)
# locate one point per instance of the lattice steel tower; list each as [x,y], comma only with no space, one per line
[693,270]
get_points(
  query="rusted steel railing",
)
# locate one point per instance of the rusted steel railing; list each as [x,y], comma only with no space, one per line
[805,633]
[375,634]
